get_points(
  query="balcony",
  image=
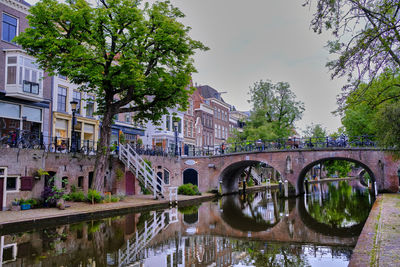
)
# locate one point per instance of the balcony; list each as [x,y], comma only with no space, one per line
[27,91]
[23,76]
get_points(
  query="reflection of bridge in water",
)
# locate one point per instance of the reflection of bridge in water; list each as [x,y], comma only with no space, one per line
[262,218]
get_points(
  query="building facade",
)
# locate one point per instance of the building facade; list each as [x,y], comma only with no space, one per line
[166,134]
[25,91]
[86,124]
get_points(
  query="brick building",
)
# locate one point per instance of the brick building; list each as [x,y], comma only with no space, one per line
[25,91]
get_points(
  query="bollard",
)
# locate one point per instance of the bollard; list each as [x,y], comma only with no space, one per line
[306,186]
[280,187]
[244,186]
[368,183]
[286,188]
[376,189]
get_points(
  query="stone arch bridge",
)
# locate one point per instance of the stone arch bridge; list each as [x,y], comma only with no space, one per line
[222,172]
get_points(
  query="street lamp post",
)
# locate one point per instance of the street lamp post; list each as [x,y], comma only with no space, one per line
[176,137]
[73,137]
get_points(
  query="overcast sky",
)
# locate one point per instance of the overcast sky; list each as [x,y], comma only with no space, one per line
[262,39]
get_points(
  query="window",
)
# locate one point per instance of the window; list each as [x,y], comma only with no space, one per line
[11,70]
[31,87]
[62,77]
[11,184]
[168,123]
[62,99]
[64,182]
[76,96]
[9,28]
[80,181]
[179,126]
[127,118]
[166,176]
[90,106]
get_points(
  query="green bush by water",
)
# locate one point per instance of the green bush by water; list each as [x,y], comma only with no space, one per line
[188,190]
[93,196]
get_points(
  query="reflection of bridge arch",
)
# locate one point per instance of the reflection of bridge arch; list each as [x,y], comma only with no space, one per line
[311,223]
[233,215]
[306,169]
[230,176]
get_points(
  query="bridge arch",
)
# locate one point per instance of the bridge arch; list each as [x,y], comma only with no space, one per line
[230,175]
[307,168]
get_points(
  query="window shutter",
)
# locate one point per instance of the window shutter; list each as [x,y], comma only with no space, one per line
[26,183]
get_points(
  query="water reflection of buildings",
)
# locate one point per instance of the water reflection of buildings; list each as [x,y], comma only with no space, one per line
[233,231]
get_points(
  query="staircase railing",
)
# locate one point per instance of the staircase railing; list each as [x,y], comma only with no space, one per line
[152,227]
[144,173]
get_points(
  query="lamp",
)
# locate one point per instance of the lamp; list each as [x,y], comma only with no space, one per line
[73,137]
[176,137]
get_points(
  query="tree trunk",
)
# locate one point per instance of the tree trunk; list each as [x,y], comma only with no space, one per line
[103,152]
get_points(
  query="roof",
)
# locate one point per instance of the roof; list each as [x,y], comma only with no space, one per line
[209,92]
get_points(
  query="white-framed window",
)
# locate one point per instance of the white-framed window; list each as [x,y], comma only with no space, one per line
[12,183]
[89,106]
[62,99]
[166,176]
[9,27]
[168,123]
[76,96]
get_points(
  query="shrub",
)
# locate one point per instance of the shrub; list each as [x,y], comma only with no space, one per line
[114,199]
[67,197]
[93,196]
[77,196]
[189,190]
[250,182]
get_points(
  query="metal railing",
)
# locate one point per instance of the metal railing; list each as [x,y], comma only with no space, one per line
[32,140]
[36,140]
[293,143]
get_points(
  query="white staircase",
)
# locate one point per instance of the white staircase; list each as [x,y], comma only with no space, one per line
[144,173]
[134,247]
[255,176]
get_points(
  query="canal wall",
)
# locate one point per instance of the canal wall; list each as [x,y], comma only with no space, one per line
[379,242]
[19,179]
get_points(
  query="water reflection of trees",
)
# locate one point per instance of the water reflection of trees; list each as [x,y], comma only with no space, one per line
[252,212]
[341,205]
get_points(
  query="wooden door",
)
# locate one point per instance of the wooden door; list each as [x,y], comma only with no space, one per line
[129,183]
[1,193]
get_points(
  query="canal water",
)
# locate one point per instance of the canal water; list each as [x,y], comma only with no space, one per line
[259,229]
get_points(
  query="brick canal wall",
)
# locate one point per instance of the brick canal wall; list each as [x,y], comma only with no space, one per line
[77,169]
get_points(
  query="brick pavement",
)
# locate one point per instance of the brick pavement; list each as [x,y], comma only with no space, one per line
[80,209]
[379,242]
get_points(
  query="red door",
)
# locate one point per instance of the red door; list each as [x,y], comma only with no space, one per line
[129,183]
[1,193]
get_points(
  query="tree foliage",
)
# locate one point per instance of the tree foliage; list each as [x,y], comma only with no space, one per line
[315,131]
[366,37]
[133,57]
[275,110]
[373,112]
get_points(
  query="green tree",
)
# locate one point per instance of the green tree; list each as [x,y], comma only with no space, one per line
[366,37]
[314,131]
[275,110]
[373,112]
[388,126]
[133,57]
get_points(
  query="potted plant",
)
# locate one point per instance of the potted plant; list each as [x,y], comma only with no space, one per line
[40,173]
[25,204]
